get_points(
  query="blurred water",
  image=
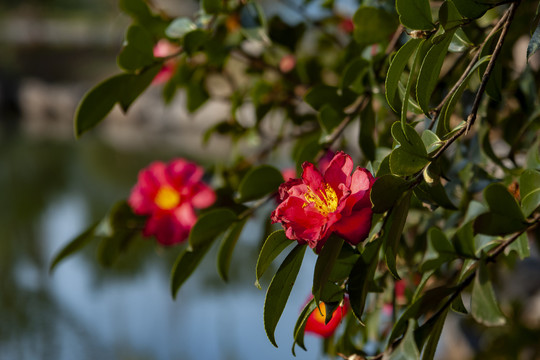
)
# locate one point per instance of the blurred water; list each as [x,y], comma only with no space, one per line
[51,192]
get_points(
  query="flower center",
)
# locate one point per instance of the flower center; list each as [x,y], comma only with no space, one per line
[325,201]
[167,198]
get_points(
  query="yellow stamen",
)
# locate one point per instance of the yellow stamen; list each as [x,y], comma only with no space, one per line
[325,201]
[167,198]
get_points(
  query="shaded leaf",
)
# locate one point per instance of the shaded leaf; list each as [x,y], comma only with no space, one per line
[406,350]
[279,290]
[368,18]
[209,226]
[258,182]
[386,190]
[415,14]
[529,187]
[300,326]
[367,128]
[73,246]
[184,266]
[227,247]
[273,246]
[484,306]
[393,230]
[411,155]
[325,264]
[137,51]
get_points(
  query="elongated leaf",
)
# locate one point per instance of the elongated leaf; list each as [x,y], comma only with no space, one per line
[258,182]
[411,155]
[279,290]
[434,336]
[397,66]
[354,74]
[300,326]
[495,81]
[472,9]
[393,230]
[367,128]
[443,124]
[407,101]
[325,264]
[406,350]
[440,250]
[521,246]
[431,68]
[135,85]
[484,306]
[184,266]
[534,43]
[227,247]
[415,14]
[137,51]
[209,226]
[273,246]
[449,15]
[361,276]
[73,246]
[386,191]
[529,187]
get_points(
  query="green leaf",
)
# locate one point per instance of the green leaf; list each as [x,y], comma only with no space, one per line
[415,14]
[137,51]
[410,156]
[521,246]
[325,264]
[361,276]
[495,81]
[196,93]
[428,77]
[434,336]
[406,350]
[73,246]
[428,302]
[141,14]
[211,6]
[396,69]
[449,15]
[99,101]
[195,40]
[258,182]
[386,191]
[443,123]
[227,247]
[505,215]
[472,9]
[209,226]
[529,187]
[279,290]
[320,95]
[463,240]
[534,43]
[368,18]
[367,129]
[300,326]
[184,266]
[354,74]
[329,118]
[273,246]
[179,27]
[439,251]
[393,230]
[458,306]
[434,194]
[484,306]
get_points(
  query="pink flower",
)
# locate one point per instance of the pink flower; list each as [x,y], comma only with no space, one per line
[162,49]
[168,194]
[319,204]
[316,321]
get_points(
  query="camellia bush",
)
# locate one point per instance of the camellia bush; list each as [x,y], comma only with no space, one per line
[413,126]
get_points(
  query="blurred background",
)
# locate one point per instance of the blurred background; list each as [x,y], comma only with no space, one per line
[53,186]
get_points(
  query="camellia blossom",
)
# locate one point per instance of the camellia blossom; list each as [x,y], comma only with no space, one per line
[319,204]
[162,49]
[316,321]
[168,194]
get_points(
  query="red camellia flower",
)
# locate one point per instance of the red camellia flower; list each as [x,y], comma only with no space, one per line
[315,322]
[162,49]
[319,204]
[169,194]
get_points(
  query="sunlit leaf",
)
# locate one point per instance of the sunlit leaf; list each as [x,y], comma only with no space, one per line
[272,247]
[184,266]
[300,326]
[415,14]
[227,247]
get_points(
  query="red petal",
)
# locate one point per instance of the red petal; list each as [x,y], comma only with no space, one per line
[312,177]
[203,196]
[339,171]
[355,227]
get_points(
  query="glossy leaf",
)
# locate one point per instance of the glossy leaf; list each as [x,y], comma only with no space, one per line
[258,182]
[300,326]
[396,69]
[272,247]
[415,14]
[434,336]
[386,191]
[179,27]
[434,194]
[484,306]
[227,247]
[184,266]
[325,264]
[368,18]
[428,77]
[209,226]
[529,187]
[411,155]
[73,246]
[279,290]
[393,230]
[439,251]
[361,276]
[449,15]
[471,9]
